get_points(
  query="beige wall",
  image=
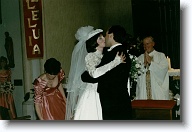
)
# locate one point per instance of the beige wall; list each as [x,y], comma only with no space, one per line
[62,18]
[61,21]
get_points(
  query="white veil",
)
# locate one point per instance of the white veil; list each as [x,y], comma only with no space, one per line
[75,85]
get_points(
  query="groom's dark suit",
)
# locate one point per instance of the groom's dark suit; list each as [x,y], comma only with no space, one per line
[112,87]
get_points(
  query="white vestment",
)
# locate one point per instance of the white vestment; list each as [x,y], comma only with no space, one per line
[89,106]
[158,75]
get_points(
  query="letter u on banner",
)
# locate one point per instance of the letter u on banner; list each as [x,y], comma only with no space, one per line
[32,10]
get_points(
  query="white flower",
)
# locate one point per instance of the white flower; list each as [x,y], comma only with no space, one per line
[131,56]
[137,65]
[136,69]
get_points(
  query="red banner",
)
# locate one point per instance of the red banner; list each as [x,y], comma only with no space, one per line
[33,28]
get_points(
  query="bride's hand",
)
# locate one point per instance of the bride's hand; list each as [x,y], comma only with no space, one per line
[122,57]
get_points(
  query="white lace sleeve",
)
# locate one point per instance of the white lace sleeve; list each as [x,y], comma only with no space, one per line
[92,61]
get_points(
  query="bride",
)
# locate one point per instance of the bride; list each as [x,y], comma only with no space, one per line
[83,103]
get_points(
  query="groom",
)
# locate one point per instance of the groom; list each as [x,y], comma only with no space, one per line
[112,86]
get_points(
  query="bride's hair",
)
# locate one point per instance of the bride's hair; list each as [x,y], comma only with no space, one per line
[91,43]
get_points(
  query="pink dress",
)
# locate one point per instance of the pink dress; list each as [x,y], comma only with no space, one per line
[50,99]
[6,95]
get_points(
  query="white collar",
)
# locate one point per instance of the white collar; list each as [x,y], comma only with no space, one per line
[117,44]
[152,53]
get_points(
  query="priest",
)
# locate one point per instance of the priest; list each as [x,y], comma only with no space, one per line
[153,84]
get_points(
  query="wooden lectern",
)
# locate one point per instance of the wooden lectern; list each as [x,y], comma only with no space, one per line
[153,109]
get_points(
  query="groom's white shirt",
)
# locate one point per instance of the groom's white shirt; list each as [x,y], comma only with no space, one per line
[117,44]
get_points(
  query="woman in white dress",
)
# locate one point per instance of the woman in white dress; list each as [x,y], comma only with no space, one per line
[88,106]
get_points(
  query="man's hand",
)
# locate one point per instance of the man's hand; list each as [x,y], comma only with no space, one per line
[122,57]
[147,58]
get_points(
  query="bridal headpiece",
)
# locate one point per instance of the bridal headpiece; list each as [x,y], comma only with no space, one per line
[94,32]
[85,33]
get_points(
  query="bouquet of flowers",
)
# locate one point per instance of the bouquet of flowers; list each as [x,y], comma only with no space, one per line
[6,87]
[136,69]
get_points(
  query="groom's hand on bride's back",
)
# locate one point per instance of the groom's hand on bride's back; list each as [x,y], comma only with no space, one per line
[85,77]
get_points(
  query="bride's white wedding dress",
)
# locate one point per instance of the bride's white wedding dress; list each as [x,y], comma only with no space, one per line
[88,106]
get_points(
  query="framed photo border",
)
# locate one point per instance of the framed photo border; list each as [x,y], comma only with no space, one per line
[185,124]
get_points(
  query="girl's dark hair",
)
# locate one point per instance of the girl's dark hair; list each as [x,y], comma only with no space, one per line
[119,33]
[91,43]
[2,58]
[52,66]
